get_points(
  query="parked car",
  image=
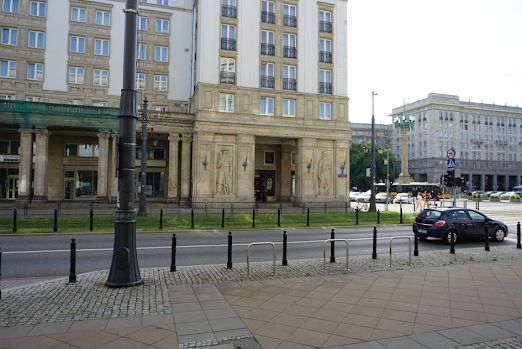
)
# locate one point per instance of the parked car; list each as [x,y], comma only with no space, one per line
[508,194]
[354,195]
[383,198]
[364,197]
[404,198]
[466,223]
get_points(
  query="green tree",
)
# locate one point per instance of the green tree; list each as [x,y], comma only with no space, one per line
[359,162]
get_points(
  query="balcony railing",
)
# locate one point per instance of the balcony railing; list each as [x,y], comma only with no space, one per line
[267,81]
[268,17]
[289,84]
[325,87]
[228,78]
[290,52]
[228,44]
[268,49]
[290,21]
[325,56]
[325,27]
[228,11]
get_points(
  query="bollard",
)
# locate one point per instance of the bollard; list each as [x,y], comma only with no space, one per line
[223,218]
[14,221]
[374,253]
[173,254]
[401,213]
[413,202]
[253,218]
[72,274]
[332,247]
[229,263]
[161,219]
[279,218]
[192,218]
[378,216]
[55,228]
[518,236]
[91,218]
[357,216]
[308,217]
[452,238]
[285,261]
[416,240]
[0,272]
[486,237]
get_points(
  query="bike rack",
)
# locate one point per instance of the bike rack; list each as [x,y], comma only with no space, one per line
[399,237]
[248,254]
[324,252]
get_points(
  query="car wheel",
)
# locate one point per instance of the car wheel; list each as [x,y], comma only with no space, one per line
[447,237]
[499,235]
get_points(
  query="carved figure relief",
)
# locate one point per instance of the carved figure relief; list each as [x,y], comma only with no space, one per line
[224,172]
[324,174]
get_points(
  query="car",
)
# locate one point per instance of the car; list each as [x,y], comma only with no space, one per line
[507,195]
[354,195]
[404,198]
[364,197]
[383,198]
[464,222]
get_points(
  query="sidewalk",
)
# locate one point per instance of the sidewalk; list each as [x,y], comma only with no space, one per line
[402,307]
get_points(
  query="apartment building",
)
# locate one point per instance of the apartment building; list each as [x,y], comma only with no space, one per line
[247,99]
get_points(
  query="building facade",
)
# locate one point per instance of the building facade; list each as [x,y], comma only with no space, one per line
[487,139]
[247,99]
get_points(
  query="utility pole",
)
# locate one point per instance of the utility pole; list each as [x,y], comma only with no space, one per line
[373,207]
[142,208]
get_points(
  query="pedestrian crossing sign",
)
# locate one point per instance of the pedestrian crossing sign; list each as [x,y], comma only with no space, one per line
[450,163]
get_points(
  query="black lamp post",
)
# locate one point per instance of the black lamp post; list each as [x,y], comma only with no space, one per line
[372,170]
[142,206]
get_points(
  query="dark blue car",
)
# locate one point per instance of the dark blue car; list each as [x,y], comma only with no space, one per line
[466,223]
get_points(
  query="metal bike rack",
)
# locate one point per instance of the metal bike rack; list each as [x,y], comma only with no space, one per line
[248,254]
[399,237]
[324,252]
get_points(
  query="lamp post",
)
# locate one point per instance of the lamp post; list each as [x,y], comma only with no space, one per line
[404,122]
[142,207]
[372,169]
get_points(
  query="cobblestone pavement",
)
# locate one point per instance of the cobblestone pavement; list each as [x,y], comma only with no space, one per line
[507,343]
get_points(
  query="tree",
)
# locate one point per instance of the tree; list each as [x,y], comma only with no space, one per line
[359,162]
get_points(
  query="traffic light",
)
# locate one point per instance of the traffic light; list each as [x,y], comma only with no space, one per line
[448,178]
[459,181]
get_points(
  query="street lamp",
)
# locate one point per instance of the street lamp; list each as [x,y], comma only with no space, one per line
[372,170]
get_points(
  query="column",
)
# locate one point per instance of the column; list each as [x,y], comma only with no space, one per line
[285,167]
[172,193]
[404,176]
[244,188]
[103,166]
[483,182]
[305,170]
[25,164]
[342,158]
[495,185]
[202,166]
[40,164]
[113,180]
[186,143]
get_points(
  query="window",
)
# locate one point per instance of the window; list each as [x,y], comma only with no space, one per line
[75,102]
[83,150]
[228,71]
[267,75]
[228,8]
[75,75]
[289,49]
[33,99]
[101,47]
[228,37]
[142,23]
[37,9]
[267,43]
[325,22]
[226,102]
[35,71]
[160,83]
[36,39]
[325,111]
[325,51]
[268,12]
[266,106]
[289,19]
[161,54]
[77,44]
[103,18]
[325,85]
[100,104]
[162,26]
[101,77]
[9,36]
[78,14]
[8,69]
[289,81]
[269,157]
[140,81]
[11,6]
[10,147]
[141,51]
[288,107]
[163,2]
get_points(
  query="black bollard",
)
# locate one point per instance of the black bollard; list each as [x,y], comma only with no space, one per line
[279,218]
[91,219]
[55,228]
[0,272]
[173,254]
[72,274]
[15,228]
[192,219]
[401,213]
[223,218]
[518,236]
[416,240]
[229,263]
[285,261]
[357,216]
[452,238]
[253,218]
[486,237]
[378,216]
[374,253]
[161,219]
[308,217]
[332,247]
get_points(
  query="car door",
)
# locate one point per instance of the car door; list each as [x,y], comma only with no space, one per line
[479,220]
[463,223]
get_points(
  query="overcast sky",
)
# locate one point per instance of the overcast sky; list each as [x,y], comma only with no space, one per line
[409,48]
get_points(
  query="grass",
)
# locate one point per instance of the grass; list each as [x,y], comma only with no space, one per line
[32,225]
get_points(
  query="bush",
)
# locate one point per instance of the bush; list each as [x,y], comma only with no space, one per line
[494,196]
[514,196]
[476,195]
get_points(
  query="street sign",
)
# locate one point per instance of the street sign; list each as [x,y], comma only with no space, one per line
[451,153]
[450,163]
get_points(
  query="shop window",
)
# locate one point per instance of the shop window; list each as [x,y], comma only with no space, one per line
[86,183]
[83,150]
[153,153]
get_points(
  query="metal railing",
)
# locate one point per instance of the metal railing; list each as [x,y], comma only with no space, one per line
[228,44]
[324,252]
[289,84]
[399,237]
[290,21]
[228,11]
[325,27]
[268,17]
[325,87]
[248,255]
[267,49]
[325,57]
[228,78]
[289,52]
[267,81]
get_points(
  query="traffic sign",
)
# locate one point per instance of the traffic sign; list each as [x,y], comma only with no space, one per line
[450,163]
[451,153]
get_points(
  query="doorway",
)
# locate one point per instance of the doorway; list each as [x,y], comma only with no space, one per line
[68,188]
[265,185]
[12,187]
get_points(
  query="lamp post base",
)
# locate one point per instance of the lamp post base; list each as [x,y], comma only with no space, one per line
[404,178]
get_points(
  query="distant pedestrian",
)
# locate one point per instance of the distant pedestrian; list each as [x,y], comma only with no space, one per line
[419,201]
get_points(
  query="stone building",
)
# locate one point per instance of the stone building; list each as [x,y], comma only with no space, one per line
[247,99]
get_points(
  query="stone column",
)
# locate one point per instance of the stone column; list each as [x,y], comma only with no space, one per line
[404,176]
[203,153]
[285,167]
[103,166]
[186,145]
[172,194]
[25,164]
[113,180]
[245,174]
[342,158]
[495,183]
[40,164]
[482,182]
[304,176]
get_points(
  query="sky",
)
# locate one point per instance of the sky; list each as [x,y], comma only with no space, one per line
[406,49]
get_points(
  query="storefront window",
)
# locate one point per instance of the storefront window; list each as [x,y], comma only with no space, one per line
[152,153]
[84,150]
[86,183]
[155,187]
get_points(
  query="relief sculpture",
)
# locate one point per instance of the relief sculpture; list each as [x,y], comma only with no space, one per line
[224,173]
[324,174]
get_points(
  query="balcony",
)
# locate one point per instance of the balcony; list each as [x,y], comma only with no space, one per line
[267,81]
[268,17]
[289,84]
[228,78]
[228,44]
[268,49]
[325,87]
[289,51]
[326,57]
[325,27]
[290,21]
[228,11]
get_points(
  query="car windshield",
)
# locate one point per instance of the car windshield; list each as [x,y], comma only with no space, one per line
[402,195]
[430,214]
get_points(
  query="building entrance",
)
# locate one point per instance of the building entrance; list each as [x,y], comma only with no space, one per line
[12,187]
[265,185]
[68,188]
